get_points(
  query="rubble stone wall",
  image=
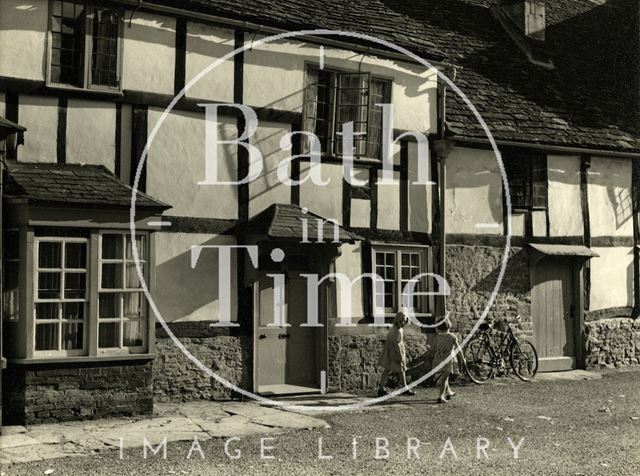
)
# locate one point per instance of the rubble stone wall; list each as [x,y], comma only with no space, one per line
[612,343]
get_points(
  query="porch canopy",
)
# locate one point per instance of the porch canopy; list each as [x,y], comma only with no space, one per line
[292,223]
[576,251]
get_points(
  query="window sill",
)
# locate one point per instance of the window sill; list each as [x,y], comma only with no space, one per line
[78,89]
[81,359]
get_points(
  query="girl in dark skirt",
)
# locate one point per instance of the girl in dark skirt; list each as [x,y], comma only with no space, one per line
[445,346]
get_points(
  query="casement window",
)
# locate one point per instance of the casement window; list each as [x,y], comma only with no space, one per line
[527,176]
[60,300]
[396,267]
[11,276]
[87,297]
[85,45]
[334,98]
[122,305]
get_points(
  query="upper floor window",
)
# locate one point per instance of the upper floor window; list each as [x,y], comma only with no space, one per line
[334,98]
[85,45]
[527,176]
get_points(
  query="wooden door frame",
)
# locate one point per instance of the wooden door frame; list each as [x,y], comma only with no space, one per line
[325,254]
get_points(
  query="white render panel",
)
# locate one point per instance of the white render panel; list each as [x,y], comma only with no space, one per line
[474,192]
[176,164]
[324,200]
[610,200]
[206,44]
[612,278]
[91,133]
[565,202]
[39,114]
[183,293]
[23,38]
[349,263]
[149,53]
[389,203]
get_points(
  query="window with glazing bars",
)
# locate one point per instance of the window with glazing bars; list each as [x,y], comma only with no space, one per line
[527,176]
[333,99]
[84,45]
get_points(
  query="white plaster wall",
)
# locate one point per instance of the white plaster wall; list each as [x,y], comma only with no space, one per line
[473,192]
[539,222]
[360,213]
[267,188]
[39,114]
[274,77]
[389,203]
[565,203]
[612,278]
[149,53]
[176,163]
[517,224]
[186,294]
[350,264]
[23,32]
[91,133]
[205,44]
[609,192]
[420,195]
[324,200]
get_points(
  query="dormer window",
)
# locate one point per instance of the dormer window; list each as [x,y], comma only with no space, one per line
[85,44]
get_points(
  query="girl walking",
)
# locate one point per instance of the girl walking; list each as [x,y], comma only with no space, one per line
[394,356]
[445,346]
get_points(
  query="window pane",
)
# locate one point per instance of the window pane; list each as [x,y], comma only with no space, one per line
[133,332]
[73,310]
[112,276]
[132,305]
[109,305]
[140,245]
[75,255]
[47,337]
[49,254]
[133,280]
[74,285]
[48,285]
[108,335]
[72,335]
[112,246]
[47,310]
[104,52]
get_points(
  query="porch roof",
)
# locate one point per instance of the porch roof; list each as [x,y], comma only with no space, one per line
[8,127]
[85,186]
[564,250]
[285,222]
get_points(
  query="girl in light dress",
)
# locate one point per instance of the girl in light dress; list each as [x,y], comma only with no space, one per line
[394,355]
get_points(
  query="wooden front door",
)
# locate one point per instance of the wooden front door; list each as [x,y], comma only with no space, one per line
[554,314]
[287,357]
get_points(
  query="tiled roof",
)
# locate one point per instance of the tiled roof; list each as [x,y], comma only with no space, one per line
[589,100]
[9,127]
[78,185]
[285,222]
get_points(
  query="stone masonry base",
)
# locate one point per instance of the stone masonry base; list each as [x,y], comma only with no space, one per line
[43,393]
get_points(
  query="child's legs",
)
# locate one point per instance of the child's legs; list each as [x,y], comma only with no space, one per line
[403,379]
[443,383]
[383,378]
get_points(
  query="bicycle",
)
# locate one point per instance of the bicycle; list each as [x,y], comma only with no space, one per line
[483,358]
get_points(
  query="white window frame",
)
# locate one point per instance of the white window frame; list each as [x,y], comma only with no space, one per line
[63,270]
[122,349]
[87,81]
[424,267]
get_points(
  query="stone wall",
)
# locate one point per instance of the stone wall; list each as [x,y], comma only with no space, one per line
[177,378]
[353,359]
[472,273]
[44,393]
[612,342]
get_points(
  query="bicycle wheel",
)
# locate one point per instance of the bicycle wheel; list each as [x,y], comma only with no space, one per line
[478,361]
[524,359]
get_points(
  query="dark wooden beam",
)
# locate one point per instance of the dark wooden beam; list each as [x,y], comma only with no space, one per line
[61,136]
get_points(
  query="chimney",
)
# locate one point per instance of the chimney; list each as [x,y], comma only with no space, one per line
[527,15]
